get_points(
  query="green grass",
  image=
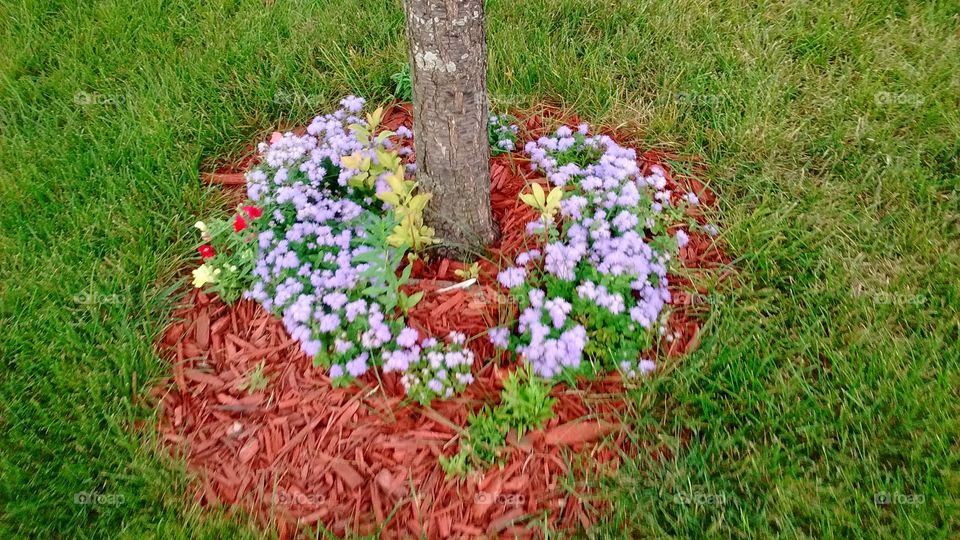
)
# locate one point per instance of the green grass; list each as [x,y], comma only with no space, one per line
[830,129]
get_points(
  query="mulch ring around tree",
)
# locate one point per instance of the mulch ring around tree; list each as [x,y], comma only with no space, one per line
[301,454]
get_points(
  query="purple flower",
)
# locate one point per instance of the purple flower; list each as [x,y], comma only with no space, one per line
[335,300]
[358,366]
[499,336]
[407,337]
[352,104]
[341,346]
[512,277]
[527,256]
[536,297]
[355,308]
[535,226]
[457,337]
[329,323]
[558,309]
[310,348]
[561,259]
[647,367]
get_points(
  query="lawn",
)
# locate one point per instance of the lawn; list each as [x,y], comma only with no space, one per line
[823,400]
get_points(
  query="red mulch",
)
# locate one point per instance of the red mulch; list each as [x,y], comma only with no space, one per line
[303,453]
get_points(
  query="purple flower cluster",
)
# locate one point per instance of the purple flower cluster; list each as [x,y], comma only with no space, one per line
[306,270]
[603,246]
[499,336]
[634,369]
[430,369]
[512,277]
[327,140]
[609,212]
[555,342]
[527,257]
[502,134]
[598,294]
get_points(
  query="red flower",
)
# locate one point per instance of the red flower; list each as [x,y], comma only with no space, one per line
[252,212]
[206,251]
[239,223]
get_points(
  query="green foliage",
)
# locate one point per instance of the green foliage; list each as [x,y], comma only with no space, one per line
[485,437]
[255,380]
[525,405]
[383,284]
[502,134]
[229,271]
[403,89]
[525,402]
[455,465]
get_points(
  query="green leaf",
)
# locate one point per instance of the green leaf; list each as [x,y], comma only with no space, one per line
[374,290]
[405,275]
[414,299]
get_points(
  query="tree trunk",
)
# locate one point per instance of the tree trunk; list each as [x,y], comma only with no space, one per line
[448,62]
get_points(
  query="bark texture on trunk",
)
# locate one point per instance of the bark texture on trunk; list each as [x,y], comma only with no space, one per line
[448,61]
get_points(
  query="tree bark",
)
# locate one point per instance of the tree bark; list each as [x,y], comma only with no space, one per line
[448,62]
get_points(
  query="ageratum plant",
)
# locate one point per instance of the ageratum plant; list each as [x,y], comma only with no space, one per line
[599,288]
[327,249]
[501,134]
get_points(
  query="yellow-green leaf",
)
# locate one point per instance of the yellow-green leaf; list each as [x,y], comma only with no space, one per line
[396,184]
[389,197]
[419,202]
[374,118]
[357,160]
[539,196]
[554,198]
[529,200]
[384,135]
[396,240]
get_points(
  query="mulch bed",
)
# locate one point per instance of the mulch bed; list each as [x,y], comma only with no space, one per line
[362,460]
